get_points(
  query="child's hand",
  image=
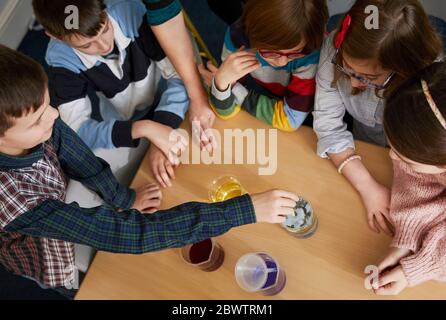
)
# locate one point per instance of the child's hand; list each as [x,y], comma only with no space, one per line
[161,168]
[148,198]
[207,73]
[376,199]
[392,282]
[170,142]
[202,119]
[273,206]
[235,67]
[393,258]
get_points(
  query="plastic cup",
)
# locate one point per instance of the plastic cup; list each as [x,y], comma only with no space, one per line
[303,223]
[225,188]
[206,255]
[260,272]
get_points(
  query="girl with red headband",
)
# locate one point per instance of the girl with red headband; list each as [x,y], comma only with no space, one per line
[361,64]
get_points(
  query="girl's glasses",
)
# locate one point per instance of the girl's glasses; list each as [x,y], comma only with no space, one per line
[267,54]
[352,74]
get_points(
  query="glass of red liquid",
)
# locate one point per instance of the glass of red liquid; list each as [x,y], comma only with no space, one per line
[206,255]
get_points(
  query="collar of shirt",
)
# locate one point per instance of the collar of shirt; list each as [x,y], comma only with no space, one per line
[120,40]
[10,162]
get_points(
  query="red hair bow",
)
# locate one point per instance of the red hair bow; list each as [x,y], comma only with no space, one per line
[341,35]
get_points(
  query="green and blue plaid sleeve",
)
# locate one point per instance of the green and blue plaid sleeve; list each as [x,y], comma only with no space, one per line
[79,163]
[130,231]
[160,11]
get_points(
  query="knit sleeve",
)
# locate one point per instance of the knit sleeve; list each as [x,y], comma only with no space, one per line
[417,204]
[429,263]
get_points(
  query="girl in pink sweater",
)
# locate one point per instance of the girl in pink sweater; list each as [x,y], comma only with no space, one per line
[414,121]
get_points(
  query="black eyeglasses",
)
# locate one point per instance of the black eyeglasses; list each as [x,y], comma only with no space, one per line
[352,74]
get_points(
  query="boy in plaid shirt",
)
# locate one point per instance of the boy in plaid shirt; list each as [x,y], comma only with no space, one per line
[39,153]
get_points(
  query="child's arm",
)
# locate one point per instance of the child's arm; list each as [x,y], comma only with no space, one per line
[79,163]
[131,232]
[429,262]
[174,103]
[329,108]
[167,22]
[128,231]
[173,106]
[414,208]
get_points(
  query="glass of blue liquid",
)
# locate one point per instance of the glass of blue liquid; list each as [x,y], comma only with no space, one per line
[260,272]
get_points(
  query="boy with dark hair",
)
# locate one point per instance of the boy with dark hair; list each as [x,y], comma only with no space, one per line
[39,153]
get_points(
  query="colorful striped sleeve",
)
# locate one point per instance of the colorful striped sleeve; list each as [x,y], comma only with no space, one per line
[300,92]
[160,11]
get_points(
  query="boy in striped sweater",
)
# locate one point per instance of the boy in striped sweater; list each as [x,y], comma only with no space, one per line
[270,57]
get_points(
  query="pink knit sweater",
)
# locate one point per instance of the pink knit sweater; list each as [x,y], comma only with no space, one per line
[418,212]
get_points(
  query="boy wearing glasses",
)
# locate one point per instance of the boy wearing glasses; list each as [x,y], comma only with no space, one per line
[270,58]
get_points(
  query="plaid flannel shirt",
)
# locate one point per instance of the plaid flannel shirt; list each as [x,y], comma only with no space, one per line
[37,228]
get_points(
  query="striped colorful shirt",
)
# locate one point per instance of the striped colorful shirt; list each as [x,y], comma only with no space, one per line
[38,229]
[280,96]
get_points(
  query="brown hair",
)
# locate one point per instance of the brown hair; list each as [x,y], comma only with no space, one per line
[51,14]
[409,122]
[405,42]
[283,24]
[23,84]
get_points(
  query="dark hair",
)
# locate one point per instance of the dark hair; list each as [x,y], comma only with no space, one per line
[409,122]
[283,24]
[51,14]
[23,84]
[405,42]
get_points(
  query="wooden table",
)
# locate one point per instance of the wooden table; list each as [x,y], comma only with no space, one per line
[330,265]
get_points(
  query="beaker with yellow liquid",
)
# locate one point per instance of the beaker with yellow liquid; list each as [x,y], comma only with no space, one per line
[225,188]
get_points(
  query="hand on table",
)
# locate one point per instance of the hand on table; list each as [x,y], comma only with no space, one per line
[376,199]
[392,282]
[148,198]
[202,118]
[170,142]
[161,167]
